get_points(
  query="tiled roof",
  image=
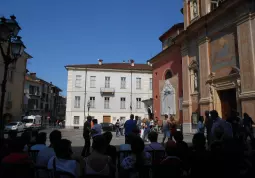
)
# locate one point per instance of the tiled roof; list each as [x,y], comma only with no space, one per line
[122,66]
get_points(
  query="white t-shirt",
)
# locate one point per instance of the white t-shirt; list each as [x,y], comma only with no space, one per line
[63,165]
[44,156]
[98,130]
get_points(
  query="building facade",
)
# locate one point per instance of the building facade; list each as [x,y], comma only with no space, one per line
[217,58]
[113,91]
[167,67]
[41,98]
[14,88]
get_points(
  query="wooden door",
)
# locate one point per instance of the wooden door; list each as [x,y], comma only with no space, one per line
[106,119]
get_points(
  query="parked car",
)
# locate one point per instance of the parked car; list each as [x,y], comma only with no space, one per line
[108,127]
[14,126]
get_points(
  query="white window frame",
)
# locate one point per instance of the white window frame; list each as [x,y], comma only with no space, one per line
[151,84]
[92,81]
[75,118]
[77,102]
[138,103]
[92,100]
[138,83]
[106,102]
[107,82]
[78,81]
[122,103]
[123,82]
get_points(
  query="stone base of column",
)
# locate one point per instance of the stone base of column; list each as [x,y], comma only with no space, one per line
[187,128]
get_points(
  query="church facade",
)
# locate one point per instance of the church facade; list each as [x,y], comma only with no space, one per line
[167,76]
[218,58]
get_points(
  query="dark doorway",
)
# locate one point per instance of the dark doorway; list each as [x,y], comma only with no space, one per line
[228,102]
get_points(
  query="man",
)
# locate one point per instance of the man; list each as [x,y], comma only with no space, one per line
[247,124]
[40,142]
[166,128]
[129,126]
[218,122]
[48,152]
[96,129]
[117,126]
[86,136]
[208,125]
[121,126]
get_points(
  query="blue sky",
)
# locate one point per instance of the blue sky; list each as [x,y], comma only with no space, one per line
[61,32]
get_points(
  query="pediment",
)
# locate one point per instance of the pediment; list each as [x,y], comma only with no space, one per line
[193,64]
[234,70]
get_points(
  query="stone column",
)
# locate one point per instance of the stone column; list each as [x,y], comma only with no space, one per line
[204,66]
[187,104]
[246,42]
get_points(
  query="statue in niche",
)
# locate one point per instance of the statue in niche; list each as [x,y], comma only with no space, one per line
[167,104]
[211,91]
[238,83]
[195,10]
[195,81]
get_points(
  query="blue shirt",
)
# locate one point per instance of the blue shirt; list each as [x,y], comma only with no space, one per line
[129,126]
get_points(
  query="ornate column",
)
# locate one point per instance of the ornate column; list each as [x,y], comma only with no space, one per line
[206,97]
[246,42]
[186,104]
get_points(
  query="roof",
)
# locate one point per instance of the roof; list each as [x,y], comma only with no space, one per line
[122,66]
[174,27]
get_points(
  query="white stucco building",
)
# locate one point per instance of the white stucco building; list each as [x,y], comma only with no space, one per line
[114,91]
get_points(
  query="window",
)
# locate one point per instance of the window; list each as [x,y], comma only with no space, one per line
[77,101]
[10,75]
[107,82]
[106,102]
[138,103]
[138,83]
[168,75]
[123,82]
[92,102]
[150,83]
[76,120]
[122,103]
[92,81]
[78,81]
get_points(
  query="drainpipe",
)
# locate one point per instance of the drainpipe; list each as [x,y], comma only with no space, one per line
[85,94]
[131,94]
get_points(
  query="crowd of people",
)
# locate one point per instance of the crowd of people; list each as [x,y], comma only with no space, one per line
[227,152]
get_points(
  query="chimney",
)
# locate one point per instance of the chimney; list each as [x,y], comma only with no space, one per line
[33,74]
[100,61]
[132,62]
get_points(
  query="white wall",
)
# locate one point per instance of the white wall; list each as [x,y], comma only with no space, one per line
[115,82]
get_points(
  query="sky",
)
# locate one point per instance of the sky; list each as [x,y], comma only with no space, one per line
[61,32]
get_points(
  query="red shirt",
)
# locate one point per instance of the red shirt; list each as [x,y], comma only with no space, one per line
[17,158]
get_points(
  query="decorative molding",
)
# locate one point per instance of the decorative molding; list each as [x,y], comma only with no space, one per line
[186,103]
[204,101]
[193,65]
[203,40]
[211,76]
[249,95]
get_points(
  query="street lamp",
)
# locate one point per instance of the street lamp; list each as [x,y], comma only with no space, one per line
[88,105]
[11,48]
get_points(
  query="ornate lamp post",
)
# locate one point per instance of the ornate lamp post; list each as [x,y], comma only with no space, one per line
[88,105]
[11,48]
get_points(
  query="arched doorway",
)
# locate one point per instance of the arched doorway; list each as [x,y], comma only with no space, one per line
[168,74]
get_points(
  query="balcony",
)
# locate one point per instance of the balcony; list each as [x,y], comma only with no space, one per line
[36,93]
[107,91]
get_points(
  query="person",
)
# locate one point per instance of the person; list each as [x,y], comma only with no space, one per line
[137,159]
[166,128]
[208,125]
[247,124]
[45,154]
[173,126]
[129,126]
[154,145]
[200,125]
[40,142]
[26,136]
[228,133]
[63,159]
[97,163]
[110,150]
[146,130]
[122,122]
[86,136]
[142,128]
[96,129]
[117,126]
[127,146]
[34,136]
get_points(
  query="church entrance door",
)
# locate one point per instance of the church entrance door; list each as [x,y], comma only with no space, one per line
[228,102]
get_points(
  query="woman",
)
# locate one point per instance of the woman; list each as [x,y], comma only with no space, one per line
[97,163]
[133,163]
[172,126]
